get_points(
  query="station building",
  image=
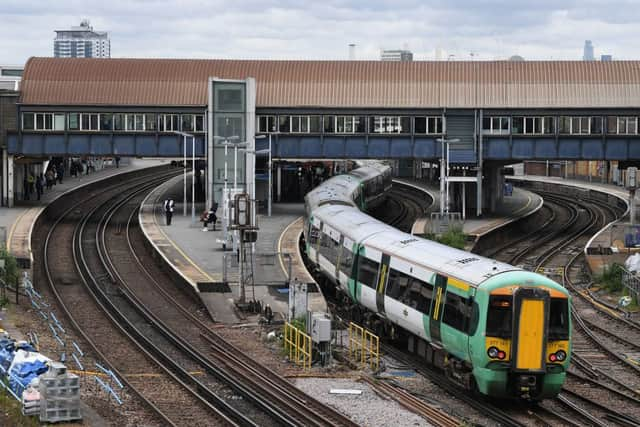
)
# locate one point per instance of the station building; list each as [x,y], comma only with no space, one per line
[479,115]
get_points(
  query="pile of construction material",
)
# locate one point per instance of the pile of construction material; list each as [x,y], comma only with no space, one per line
[44,387]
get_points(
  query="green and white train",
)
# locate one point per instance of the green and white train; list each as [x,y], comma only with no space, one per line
[490,326]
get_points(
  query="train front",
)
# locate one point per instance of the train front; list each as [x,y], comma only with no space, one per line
[523,344]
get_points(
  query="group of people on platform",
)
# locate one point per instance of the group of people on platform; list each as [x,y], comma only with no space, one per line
[207,217]
[35,184]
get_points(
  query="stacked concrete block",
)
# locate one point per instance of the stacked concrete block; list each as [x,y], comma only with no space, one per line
[59,395]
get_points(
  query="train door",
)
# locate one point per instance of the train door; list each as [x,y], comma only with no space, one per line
[367,276]
[381,284]
[455,319]
[530,319]
[437,309]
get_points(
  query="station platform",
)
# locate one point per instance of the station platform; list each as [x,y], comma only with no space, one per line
[520,204]
[17,222]
[608,245]
[198,259]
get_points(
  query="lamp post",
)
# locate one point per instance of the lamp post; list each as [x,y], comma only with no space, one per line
[193,171]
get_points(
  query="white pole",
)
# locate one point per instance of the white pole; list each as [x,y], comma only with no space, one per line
[464,197]
[184,183]
[235,167]
[270,167]
[442,166]
[447,179]
[193,181]
[225,204]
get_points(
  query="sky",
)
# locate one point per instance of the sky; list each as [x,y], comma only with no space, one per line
[289,29]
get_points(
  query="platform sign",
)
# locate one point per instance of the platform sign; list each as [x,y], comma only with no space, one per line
[508,189]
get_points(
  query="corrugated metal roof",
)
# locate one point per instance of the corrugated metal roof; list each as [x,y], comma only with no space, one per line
[367,84]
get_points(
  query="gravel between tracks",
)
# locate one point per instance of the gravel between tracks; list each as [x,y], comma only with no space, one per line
[366,409]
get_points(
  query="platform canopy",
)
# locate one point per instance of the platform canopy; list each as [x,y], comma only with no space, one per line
[348,84]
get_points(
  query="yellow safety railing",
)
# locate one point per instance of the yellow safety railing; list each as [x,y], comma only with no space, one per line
[298,345]
[364,346]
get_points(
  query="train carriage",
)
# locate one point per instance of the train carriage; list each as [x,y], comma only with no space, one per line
[491,326]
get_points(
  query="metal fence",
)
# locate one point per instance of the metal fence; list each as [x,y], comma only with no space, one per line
[441,223]
[632,282]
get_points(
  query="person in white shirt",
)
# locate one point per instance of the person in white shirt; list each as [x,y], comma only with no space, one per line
[168,209]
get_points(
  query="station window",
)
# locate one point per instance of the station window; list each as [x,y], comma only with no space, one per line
[43,121]
[284,124]
[89,121]
[495,125]
[28,121]
[150,122]
[199,123]
[390,124]
[622,125]
[428,125]
[266,124]
[533,125]
[187,122]
[329,124]
[134,122]
[106,121]
[299,124]
[367,271]
[580,125]
[74,121]
[118,121]
[168,122]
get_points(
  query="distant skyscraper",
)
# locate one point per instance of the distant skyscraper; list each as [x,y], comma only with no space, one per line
[588,51]
[82,42]
[606,58]
[396,55]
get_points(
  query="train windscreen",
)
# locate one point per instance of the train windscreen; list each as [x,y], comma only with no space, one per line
[499,317]
[559,319]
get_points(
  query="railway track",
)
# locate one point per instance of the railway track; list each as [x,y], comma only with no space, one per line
[179,384]
[159,389]
[599,363]
[119,239]
[403,205]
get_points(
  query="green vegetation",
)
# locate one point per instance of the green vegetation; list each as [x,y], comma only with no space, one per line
[611,278]
[11,412]
[9,274]
[454,237]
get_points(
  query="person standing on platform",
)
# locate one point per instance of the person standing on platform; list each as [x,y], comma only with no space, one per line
[117,162]
[168,209]
[50,179]
[39,185]
[60,171]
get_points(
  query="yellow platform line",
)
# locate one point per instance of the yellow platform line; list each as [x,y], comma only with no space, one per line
[284,270]
[176,247]
[529,200]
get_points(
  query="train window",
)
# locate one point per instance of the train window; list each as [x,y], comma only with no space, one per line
[329,248]
[456,312]
[499,317]
[397,285]
[559,319]
[367,271]
[346,261]
[313,235]
[410,291]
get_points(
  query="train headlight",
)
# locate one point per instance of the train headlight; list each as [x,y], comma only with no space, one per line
[492,352]
[561,355]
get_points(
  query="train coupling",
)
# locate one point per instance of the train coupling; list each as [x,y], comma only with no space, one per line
[526,385]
